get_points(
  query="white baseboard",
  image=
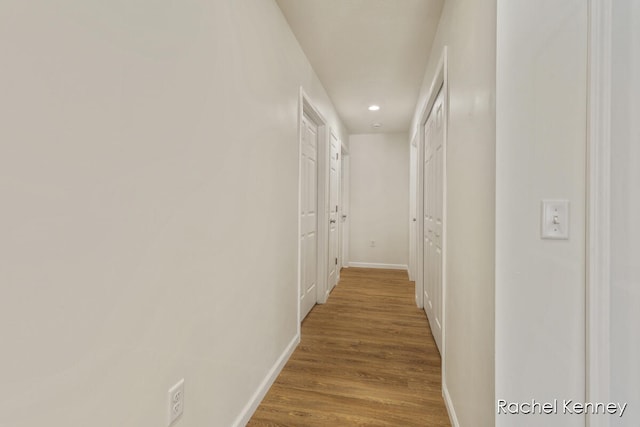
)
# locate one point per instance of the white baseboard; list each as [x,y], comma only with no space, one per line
[450,409]
[379,265]
[263,388]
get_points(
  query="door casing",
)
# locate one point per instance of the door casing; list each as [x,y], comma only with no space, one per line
[598,286]
[333,213]
[345,219]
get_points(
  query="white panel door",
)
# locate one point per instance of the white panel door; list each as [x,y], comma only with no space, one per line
[413,167]
[334,164]
[433,201]
[308,217]
[344,209]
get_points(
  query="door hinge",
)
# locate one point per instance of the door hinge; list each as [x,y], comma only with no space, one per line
[336,261]
[336,208]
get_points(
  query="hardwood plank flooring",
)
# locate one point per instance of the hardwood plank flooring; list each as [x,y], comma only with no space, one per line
[366,358]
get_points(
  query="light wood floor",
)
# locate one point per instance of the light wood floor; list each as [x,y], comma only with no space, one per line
[366,358]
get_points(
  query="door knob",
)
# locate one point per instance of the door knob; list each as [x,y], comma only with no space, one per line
[332,221]
[414,220]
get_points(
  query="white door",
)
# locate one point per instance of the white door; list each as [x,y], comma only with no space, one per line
[340,222]
[413,168]
[344,209]
[433,197]
[334,164]
[308,217]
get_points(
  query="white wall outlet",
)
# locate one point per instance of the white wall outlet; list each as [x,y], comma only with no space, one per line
[555,219]
[176,401]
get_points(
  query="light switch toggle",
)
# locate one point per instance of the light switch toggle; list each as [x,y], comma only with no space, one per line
[555,219]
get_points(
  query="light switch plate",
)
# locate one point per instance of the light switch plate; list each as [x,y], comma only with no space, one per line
[555,219]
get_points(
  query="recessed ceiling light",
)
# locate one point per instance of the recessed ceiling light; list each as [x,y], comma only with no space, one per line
[374,107]
[376,125]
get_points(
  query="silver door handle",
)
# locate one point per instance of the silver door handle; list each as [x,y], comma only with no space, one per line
[332,221]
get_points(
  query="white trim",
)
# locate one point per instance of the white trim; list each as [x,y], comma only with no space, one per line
[598,205]
[329,287]
[413,216]
[339,224]
[324,150]
[344,149]
[345,204]
[379,265]
[448,403]
[445,148]
[440,82]
[265,385]
[305,106]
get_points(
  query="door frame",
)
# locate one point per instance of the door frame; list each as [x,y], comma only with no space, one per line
[344,207]
[306,106]
[333,135]
[439,82]
[598,206]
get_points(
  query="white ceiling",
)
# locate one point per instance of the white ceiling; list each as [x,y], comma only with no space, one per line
[367,52]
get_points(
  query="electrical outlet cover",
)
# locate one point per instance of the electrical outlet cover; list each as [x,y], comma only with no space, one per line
[176,401]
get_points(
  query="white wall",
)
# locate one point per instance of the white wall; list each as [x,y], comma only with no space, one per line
[540,153]
[149,182]
[468,27]
[625,211]
[379,174]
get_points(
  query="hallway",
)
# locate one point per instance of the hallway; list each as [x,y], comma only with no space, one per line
[366,357]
